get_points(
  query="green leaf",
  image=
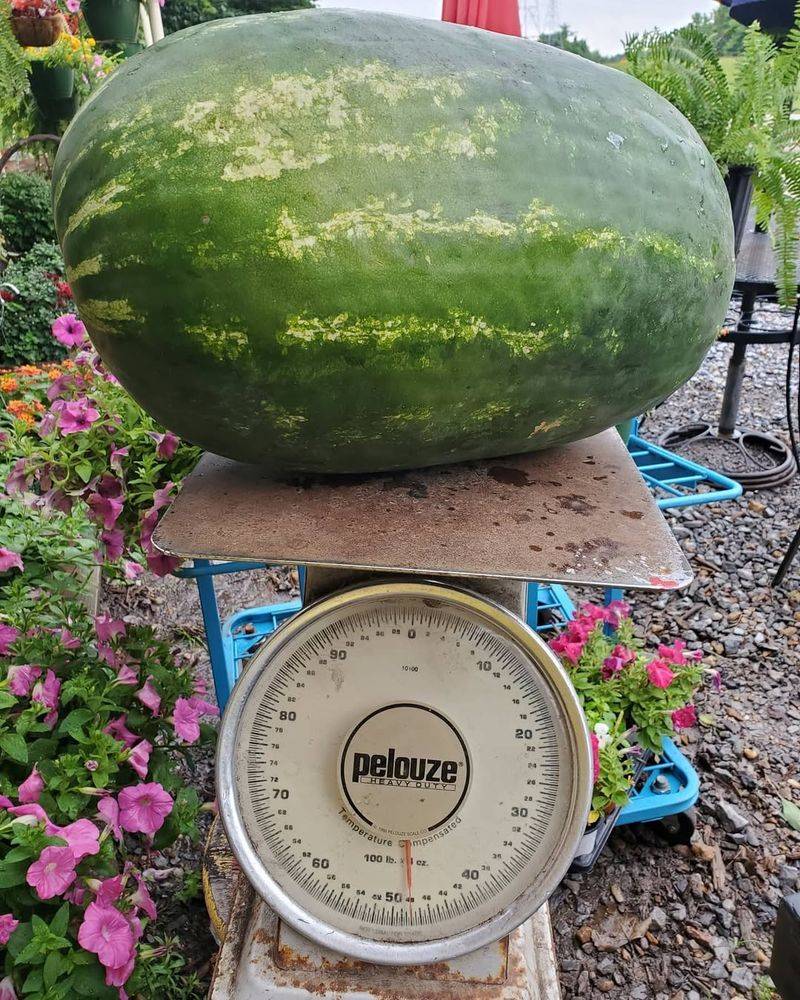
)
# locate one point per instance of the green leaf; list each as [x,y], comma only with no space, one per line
[53,967]
[13,874]
[14,747]
[19,939]
[791,813]
[33,984]
[84,471]
[60,922]
[73,723]
[89,981]
[7,700]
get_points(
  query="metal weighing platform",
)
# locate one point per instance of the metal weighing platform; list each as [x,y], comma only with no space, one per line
[580,514]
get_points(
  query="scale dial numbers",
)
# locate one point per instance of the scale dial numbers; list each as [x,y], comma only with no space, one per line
[403,772]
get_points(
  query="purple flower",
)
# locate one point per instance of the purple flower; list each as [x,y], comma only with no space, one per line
[161,564]
[21,678]
[17,480]
[8,636]
[107,627]
[116,456]
[69,330]
[105,510]
[10,560]
[166,444]
[76,417]
[114,543]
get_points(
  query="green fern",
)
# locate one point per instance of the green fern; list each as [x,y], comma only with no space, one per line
[15,98]
[747,122]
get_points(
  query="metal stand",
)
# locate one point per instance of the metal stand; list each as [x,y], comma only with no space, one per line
[580,514]
[753,458]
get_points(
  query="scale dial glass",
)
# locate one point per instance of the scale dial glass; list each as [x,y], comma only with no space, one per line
[404,772]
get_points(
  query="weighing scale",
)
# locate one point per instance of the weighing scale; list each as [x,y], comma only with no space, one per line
[404,772]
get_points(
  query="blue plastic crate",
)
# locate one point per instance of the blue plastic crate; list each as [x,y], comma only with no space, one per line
[677,482]
[246,630]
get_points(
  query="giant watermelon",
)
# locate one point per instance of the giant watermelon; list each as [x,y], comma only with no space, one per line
[341,242]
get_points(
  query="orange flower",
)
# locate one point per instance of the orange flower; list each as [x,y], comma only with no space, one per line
[38,407]
[53,373]
[20,410]
[8,383]
[29,370]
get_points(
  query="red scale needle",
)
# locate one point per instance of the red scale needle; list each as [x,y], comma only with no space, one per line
[408,863]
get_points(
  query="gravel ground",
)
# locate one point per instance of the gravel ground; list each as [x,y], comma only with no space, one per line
[651,922]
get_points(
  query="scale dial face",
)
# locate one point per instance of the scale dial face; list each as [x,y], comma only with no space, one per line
[404,772]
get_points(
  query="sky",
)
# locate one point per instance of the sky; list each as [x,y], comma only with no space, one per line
[603,23]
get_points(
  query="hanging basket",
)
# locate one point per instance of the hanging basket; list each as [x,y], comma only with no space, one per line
[112,20]
[38,31]
[51,83]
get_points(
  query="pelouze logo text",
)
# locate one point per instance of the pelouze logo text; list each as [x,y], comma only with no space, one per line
[390,769]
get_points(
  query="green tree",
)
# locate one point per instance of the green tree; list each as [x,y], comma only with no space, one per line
[179,14]
[566,39]
[726,35]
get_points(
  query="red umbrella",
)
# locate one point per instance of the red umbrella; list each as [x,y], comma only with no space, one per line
[493,15]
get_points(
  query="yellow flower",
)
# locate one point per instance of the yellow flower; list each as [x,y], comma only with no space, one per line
[91,42]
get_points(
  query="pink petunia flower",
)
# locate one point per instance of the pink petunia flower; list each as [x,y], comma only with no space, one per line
[7,991]
[8,636]
[108,810]
[77,417]
[684,718]
[120,731]
[166,445]
[143,899]
[46,692]
[76,895]
[109,890]
[120,975]
[17,479]
[32,813]
[660,674]
[113,657]
[127,675]
[113,544]
[68,640]
[82,837]
[116,456]
[107,934]
[105,510]
[7,926]
[10,560]
[568,650]
[149,697]
[186,720]
[202,706]
[21,678]
[615,611]
[52,873]
[73,6]
[131,569]
[143,808]
[106,627]
[140,757]
[595,756]
[162,497]
[31,788]
[109,486]
[161,564]
[68,329]
[91,765]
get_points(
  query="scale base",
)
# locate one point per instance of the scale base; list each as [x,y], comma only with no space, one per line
[261,958]
[264,959]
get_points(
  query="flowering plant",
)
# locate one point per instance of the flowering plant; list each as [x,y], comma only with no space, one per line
[92,715]
[78,54]
[76,437]
[631,700]
[34,8]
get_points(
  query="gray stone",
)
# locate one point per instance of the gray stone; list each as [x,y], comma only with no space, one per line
[717,970]
[730,817]
[743,977]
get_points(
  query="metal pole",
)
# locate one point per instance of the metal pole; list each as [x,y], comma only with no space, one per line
[156,24]
[146,29]
[733,391]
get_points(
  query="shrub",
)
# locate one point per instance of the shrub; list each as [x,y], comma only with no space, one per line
[41,297]
[26,214]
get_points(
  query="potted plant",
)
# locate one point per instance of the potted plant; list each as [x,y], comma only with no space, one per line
[632,701]
[62,73]
[113,20]
[36,22]
[746,121]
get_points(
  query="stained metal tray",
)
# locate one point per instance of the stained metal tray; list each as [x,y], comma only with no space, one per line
[577,514]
